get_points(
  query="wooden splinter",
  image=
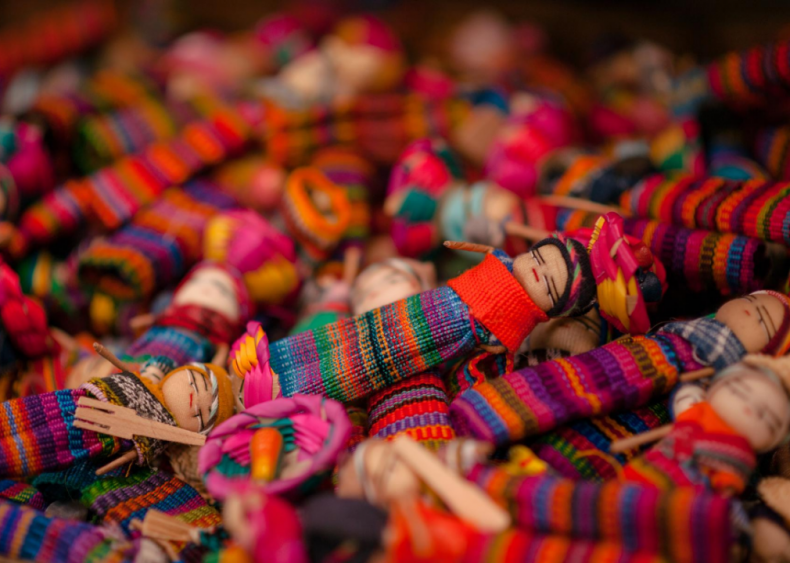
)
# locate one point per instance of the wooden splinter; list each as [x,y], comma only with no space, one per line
[112,358]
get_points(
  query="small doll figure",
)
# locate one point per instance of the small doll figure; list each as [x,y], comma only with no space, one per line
[429,205]
[208,308]
[494,305]
[624,374]
[714,442]
[482,48]
[194,397]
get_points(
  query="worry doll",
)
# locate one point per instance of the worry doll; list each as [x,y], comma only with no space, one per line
[623,374]
[48,432]
[430,201]
[494,305]
[714,443]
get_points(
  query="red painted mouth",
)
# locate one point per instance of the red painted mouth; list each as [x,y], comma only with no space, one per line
[190,399]
[535,273]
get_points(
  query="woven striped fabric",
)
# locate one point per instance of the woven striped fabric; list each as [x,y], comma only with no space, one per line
[105,91]
[181,345]
[21,493]
[355,357]
[111,196]
[581,450]
[772,149]
[37,435]
[518,545]
[475,369]
[379,126]
[684,525]
[753,208]
[102,138]
[417,407]
[157,247]
[28,535]
[699,259]
[622,375]
[122,499]
[752,77]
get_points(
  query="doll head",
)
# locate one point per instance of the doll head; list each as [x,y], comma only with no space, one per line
[374,472]
[389,281]
[198,395]
[156,368]
[365,55]
[761,321]
[216,287]
[282,39]
[557,275]
[752,397]
[574,335]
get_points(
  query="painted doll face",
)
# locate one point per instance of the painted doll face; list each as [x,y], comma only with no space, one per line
[754,319]
[211,288]
[543,274]
[575,335]
[374,472]
[189,395]
[382,284]
[754,405]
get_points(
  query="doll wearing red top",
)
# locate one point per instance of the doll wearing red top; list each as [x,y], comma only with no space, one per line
[714,442]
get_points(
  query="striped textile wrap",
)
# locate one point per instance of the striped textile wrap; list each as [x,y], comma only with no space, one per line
[772,149]
[103,138]
[21,493]
[111,196]
[28,535]
[684,525]
[753,77]
[355,357]
[476,369]
[379,126]
[157,247]
[699,259]
[104,92]
[618,376]
[518,545]
[417,407]
[37,435]
[121,499]
[753,208]
[581,450]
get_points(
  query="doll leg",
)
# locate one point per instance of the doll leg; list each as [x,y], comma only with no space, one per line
[37,435]
[355,357]
[417,406]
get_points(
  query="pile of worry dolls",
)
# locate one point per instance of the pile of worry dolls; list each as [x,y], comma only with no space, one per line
[308,292]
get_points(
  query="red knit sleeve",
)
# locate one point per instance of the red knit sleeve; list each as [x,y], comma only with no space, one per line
[498,301]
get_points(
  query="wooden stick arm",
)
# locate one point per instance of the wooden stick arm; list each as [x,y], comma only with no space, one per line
[625,444]
[696,375]
[124,422]
[525,231]
[465,499]
[468,246]
[582,205]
